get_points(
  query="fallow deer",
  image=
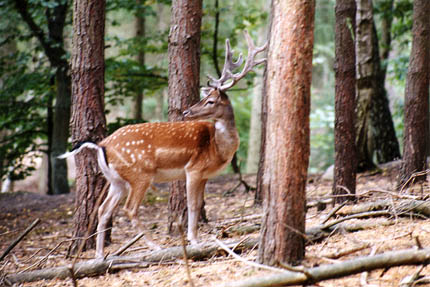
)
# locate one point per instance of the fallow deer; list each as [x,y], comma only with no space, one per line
[135,156]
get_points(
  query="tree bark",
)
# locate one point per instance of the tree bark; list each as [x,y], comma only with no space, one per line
[60,131]
[259,191]
[254,144]
[289,74]
[140,33]
[375,128]
[344,132]
[417,96]
[365,68]
[88,119]
[184,80]
[386,144]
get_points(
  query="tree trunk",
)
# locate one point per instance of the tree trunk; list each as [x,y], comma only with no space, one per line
[140,33]
[184,80]
[417,96]
[386,144]
[88,119]
[254,141]
[254,144]
[259,191]
[289,74]
[60,131]
[364,49]
[53,46]
[344,133]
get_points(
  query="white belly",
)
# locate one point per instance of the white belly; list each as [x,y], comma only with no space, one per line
[165,175]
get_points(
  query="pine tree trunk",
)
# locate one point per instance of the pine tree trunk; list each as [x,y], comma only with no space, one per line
[364,47]
[344,132]
[184,80]
[140,33]
[289,74]
[386,144]
[259,191]
[60,131]
[254,142]
[417,96]
[88,119]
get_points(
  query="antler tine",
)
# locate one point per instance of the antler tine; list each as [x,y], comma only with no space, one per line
[230,65]
[249,64]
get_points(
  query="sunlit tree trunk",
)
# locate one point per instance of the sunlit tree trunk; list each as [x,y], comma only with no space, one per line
[344,132]
[184,80]
[88,118]
[417,96]
[289,75]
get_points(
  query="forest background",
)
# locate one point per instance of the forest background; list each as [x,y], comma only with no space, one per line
[136,71]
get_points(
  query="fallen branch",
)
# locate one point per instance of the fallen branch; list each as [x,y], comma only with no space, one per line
[403,207]
[337,270]
[128,244]
[194,252]
[21,237]
[251,263]
[99,266]
[341,253]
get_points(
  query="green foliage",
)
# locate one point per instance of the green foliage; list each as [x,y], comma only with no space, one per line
[322,108]
[242,112]
[27,85]
[26,80]
[25,97]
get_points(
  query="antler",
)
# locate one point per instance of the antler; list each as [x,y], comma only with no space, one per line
[230,65]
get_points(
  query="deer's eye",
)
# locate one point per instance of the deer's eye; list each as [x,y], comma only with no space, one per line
[210,102]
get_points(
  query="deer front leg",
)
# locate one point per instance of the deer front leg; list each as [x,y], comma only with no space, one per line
[195,194]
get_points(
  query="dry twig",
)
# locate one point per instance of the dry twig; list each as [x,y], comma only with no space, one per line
[20,237]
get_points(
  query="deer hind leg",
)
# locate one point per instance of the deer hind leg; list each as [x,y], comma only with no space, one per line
[116,192]
[195,194]
[135,197]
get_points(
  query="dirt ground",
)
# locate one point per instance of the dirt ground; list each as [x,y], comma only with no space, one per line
[223,202]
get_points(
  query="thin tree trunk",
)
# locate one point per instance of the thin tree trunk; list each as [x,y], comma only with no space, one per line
[259,191]
[60,132]
[417,96]
[386,144]
[184,74]
[52,43]
[88,119]
[254,142]
[364,47]
[344,133]
[289,74]
[140,33]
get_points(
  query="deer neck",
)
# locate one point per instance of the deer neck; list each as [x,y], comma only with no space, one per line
[226,137]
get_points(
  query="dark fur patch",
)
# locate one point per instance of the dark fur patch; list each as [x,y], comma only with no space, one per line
[79,144]
[105,155]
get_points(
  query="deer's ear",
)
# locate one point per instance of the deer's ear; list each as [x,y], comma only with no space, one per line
[205,91]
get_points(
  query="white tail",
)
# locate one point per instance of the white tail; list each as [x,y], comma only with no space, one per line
[135,156]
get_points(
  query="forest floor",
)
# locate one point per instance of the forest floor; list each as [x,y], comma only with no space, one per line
[223,203]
